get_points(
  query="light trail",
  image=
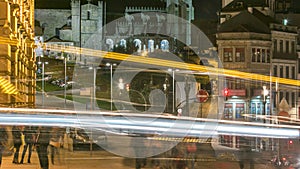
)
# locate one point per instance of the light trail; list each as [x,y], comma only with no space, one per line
[174,64]
[159,124]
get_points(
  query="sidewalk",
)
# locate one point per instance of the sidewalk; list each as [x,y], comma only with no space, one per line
[73,160]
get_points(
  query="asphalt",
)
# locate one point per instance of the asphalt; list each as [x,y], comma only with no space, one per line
[105,160]
[73,160]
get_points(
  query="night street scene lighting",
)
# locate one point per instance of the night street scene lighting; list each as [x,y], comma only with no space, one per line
[171,84]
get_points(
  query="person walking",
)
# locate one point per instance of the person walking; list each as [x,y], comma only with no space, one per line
[55,143]
[3,141]
[42,143]
[17,134]
[29,141]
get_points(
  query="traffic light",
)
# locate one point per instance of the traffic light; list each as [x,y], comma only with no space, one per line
[290,144]
[226,93]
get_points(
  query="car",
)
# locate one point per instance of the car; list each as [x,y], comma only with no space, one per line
[82,141]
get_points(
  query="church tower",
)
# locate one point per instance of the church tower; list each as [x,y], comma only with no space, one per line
[75,12]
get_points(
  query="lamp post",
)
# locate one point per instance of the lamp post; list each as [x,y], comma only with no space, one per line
[43,80]
[173,88]
[111,76]
[65,86]
[187,89]
[265,94]
[93,95]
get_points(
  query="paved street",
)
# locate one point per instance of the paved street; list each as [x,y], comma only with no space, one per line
[105,160]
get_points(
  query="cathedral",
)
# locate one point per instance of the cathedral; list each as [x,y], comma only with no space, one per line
[90,24]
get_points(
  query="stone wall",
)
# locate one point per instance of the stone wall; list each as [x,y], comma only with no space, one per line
[52,19]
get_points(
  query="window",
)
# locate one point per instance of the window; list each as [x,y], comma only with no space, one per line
[239,84]
[293,72]
[281,71]
[293,99]
[293,47]
[275,46]
[258,55]
[228,55]
[275,70]
[88,15]
[268,56]
[280,95]
[281,46]
[239,54]
[287,72]
[253,55]
[263,56]
[287,46]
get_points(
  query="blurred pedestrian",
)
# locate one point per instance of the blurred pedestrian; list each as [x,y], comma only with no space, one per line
[29,135]
[140,151]
[3,141]
[17,139]
[56,141]
[42,143]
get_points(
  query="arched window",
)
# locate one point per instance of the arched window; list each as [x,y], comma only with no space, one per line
[151,45]
[138,44]
[88,15]
[110,44]
[123,43]
[164,45]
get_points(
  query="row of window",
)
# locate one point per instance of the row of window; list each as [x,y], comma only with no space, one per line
[258,55]
[284,46]
[239,54]
[284,71]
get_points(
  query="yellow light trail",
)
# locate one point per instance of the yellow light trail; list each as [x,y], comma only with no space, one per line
[7,87]
[8,41]
[173,64]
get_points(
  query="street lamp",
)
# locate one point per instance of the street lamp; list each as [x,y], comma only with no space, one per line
[111,76]
[173,88]
[93,101]
[65,86]
[43,80]
[265,94]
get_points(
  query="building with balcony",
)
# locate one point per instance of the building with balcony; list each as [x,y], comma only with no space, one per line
[17,53]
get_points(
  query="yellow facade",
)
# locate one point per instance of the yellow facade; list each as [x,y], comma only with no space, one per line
[17,58]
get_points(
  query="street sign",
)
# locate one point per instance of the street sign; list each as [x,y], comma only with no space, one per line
[202,96]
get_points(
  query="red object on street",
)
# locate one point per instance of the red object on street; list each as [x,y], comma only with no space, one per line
[226,92]
[202,96]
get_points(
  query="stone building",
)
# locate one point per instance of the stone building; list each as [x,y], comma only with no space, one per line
[17,53]
[85,22]
[251,40]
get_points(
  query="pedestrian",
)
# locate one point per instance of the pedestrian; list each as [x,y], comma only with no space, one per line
[17,139]
[3,141]
[140,151]
[42,143]
[55,143]
[29,141]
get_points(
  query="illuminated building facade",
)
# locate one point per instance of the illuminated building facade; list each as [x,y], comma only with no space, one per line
[251,40]
[17,53]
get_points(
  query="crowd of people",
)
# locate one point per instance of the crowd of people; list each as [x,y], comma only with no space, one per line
[32,138]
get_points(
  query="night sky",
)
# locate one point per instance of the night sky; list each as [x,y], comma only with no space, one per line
[204,9]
